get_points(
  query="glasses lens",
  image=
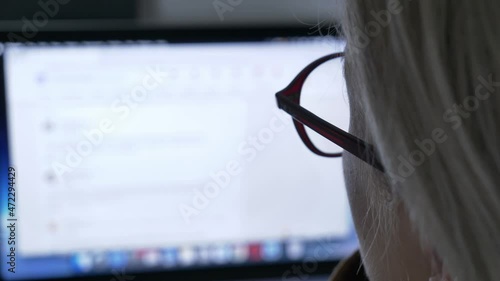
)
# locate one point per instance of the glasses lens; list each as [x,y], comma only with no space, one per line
[324,94]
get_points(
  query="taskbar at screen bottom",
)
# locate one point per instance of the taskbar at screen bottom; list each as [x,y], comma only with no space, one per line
[123,262]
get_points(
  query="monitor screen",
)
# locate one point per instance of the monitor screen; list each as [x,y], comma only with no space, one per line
[154,156]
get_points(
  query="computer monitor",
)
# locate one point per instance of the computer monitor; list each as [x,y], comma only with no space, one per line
[160,159]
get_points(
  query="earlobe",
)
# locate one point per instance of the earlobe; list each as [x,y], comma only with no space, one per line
[436,266]
[438,271]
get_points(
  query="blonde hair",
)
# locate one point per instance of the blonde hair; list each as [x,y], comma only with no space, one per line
[426,74]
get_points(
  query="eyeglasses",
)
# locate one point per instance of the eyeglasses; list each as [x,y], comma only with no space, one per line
[289,100]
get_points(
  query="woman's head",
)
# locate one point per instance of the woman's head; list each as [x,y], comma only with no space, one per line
[423,79]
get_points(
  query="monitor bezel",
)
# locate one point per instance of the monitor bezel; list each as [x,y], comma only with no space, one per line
[183,35]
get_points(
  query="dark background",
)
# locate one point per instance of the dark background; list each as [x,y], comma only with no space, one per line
[166,14]
[88,9]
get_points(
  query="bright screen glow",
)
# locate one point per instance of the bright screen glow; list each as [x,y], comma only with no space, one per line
[139,148]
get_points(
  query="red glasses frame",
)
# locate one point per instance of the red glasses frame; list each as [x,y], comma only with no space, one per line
[289,100]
